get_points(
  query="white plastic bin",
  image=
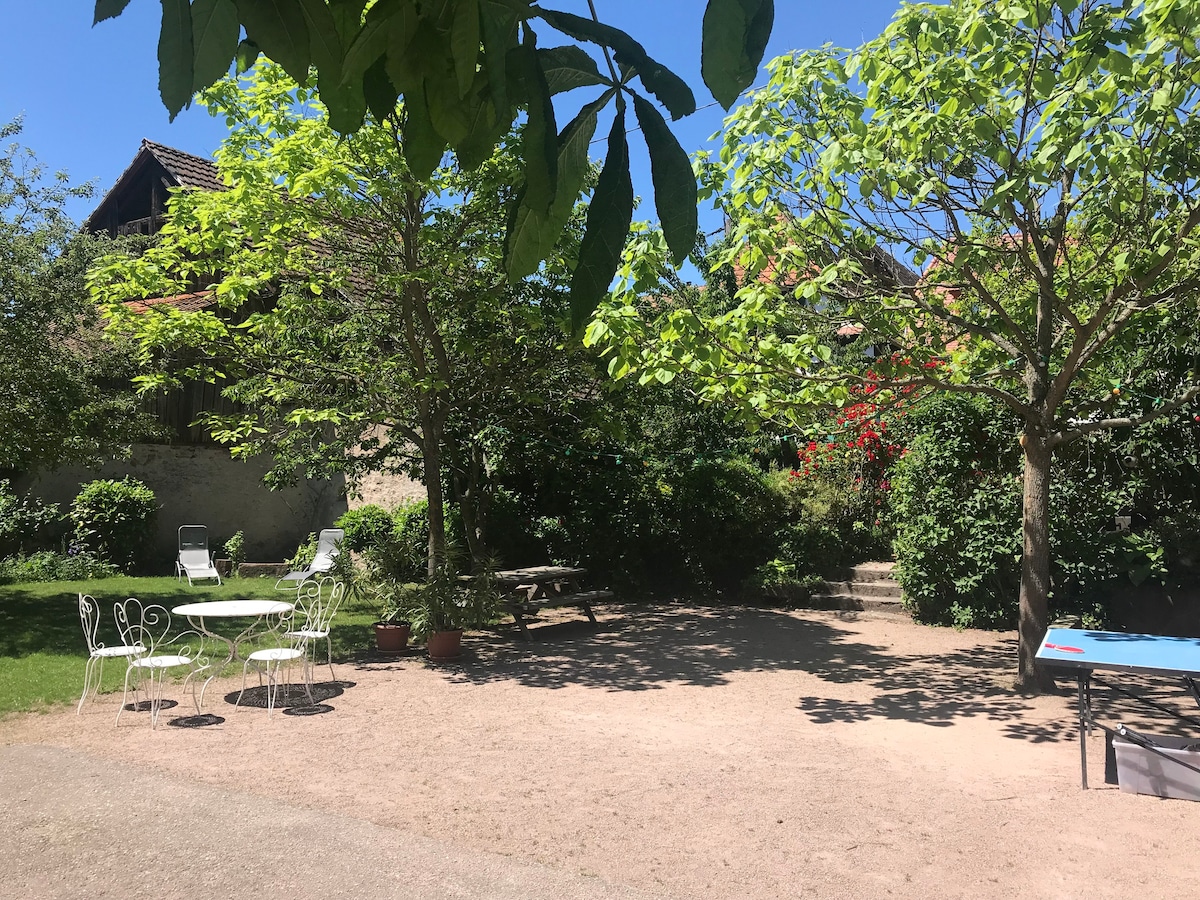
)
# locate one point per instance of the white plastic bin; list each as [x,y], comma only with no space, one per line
[1141,772]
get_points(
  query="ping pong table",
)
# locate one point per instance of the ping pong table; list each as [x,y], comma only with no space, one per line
[1144,654]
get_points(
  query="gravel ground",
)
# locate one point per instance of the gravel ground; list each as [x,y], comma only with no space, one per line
[695,752]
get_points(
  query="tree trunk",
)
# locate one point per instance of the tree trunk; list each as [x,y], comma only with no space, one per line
[431,457]
[1035,561]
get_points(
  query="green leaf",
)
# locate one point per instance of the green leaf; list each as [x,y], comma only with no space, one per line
[108,9]
[278,27]
[378,91]
[670,90]
[540,147]
[734,40]
[325,45]
[175,56]
[484,131]
[609,215]
[215,31]
[247,55]
[423,146]
[499,31]
[464,43]
[531,235]
[347,18]
[406,33]
[568,67]
[370,43]
[674,183]
[346,103]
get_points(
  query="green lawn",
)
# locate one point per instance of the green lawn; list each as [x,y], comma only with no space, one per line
[42,649]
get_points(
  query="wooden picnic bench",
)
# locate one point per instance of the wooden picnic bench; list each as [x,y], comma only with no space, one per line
[545,587]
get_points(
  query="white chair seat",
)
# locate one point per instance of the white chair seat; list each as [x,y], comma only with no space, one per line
[275,654]
[307,633]
[161,662]
[112,652]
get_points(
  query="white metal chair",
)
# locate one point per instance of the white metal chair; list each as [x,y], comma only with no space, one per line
[93,671]
[272,661]
[149,627]
[317,600]
[194,560]
[328,547]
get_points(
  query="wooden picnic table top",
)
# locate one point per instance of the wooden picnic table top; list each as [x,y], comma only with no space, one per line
[537,575]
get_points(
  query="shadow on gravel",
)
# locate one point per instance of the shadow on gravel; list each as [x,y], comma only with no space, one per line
[643,647]
[293,699]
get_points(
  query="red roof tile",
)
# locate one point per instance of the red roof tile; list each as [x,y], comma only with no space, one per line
[182,302]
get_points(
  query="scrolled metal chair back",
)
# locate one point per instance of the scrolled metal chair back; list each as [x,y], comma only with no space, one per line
[141,625]
[89,617]
[317,601]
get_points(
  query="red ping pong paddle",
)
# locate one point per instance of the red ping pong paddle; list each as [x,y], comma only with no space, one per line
[1063,649]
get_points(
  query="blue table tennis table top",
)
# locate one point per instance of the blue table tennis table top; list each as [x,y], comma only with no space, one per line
[1149,653]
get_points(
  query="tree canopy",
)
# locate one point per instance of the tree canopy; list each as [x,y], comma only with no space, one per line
[1039,161]
[464,68]
[62,382]
[364,320]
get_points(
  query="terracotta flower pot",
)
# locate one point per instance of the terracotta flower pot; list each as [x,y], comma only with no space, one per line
[391,637]
[445,645]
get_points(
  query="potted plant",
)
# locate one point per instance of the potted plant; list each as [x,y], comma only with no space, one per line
[444,605]
[392,630]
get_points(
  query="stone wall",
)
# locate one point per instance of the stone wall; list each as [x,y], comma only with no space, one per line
[203,485]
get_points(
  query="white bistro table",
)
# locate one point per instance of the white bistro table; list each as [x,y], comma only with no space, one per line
[272,611]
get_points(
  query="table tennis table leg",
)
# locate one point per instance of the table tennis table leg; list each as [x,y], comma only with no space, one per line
[1085,721]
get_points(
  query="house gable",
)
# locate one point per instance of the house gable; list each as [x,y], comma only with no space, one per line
[137,202]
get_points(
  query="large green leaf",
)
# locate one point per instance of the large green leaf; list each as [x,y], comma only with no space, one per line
[609,215]
[407,35]
[108,9]
[346,103]
[540,147]
[464,43]
[674,183]
[347,18]
[735,38]
[325,44]
[671,90]
[370,43]
[247,55]
[215,31]
[423,146]
[378,90]
[278,27]
[499,32]
[175,56]
[568,67]
[532,235]
[485,129]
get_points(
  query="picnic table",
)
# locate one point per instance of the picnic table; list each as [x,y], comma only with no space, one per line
[542,587]
[1143,654]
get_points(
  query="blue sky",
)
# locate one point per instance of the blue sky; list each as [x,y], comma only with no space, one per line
[89,95]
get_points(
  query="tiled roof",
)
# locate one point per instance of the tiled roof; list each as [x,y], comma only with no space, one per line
[190,171]
[186,171]
[182,302]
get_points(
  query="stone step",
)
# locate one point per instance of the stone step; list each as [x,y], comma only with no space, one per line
[864,589]
[872,571]
[852,603]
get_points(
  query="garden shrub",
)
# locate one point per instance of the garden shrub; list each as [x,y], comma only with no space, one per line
[235,550]
[728,515]
[115,519]
[366,527]
[51,565]
[26,522]
[394,544]
[956,505]
[957,513]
